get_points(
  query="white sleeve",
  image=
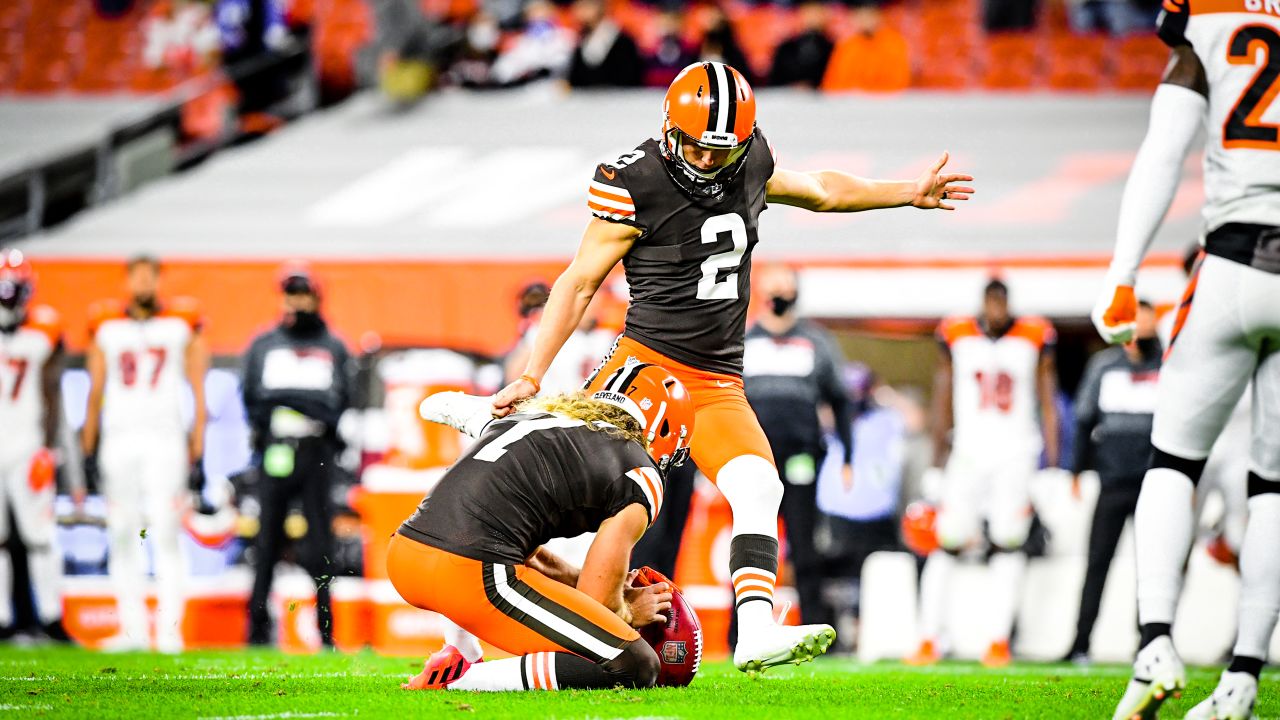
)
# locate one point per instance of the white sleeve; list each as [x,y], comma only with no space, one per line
[1176,115]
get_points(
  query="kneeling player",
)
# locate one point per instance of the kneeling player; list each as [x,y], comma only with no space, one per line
[559,467]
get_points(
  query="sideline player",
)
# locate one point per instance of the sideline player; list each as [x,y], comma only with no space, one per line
[559,467]
[680,212]
[1222,75]
[30,376]
[141,359]
[995,385]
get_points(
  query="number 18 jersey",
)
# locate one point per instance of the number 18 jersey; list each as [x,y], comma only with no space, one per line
[994,389]
[1238,43]
[145,360]
[690,270]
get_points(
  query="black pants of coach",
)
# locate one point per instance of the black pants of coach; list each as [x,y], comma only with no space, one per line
[800,516]
[1116,503]
[311,482]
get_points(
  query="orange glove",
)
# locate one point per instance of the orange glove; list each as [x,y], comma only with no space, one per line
[42,470]
[1116,313]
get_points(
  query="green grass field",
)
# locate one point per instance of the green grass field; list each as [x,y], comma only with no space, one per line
[65,682]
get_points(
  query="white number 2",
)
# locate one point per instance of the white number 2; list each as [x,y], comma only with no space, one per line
[498,446]
[708,287]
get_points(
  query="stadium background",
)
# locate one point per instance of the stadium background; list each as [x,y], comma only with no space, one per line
[424,218]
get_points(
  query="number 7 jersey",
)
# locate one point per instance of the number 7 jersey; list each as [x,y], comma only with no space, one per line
[690,270]
[1238,43]
[146,382]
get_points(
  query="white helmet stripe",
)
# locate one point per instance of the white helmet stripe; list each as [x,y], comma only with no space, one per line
[722,84]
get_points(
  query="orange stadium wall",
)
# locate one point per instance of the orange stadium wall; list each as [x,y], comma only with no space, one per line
[466,305]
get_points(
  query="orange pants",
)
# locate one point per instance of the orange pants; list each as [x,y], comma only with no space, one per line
[724,426]
[512,607]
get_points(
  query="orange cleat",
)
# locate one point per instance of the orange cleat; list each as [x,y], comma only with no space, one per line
[998,655]
[442,668]
[926,654]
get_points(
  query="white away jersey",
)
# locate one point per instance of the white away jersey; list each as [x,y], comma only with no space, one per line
[146,383]
[23,355]
[994,395]
[1238,43]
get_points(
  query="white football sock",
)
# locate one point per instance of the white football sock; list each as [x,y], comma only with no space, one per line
[1259,577]
[1163,526]
[1006,571]
[45,567]
[6,589]
[935,584]
[751,485]
[539,670]
[466,643]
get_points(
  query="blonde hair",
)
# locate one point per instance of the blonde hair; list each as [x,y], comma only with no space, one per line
[578,406]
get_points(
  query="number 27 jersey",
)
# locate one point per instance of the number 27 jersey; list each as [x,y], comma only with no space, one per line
[1238,43]
[690,270]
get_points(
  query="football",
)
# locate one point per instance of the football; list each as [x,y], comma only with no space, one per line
[678,641]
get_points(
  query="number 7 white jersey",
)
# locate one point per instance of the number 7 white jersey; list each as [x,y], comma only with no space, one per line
[23,354]
[146,383]
[994,388]
[1238,43]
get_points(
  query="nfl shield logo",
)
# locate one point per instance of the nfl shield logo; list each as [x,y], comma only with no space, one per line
[673,652]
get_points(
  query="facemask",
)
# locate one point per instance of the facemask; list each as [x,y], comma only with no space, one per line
[779,305]
[1149,347]
[303,322]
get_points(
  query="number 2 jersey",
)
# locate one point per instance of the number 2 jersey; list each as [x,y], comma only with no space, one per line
[690,270]
[23,354]
[1238,43]
[529,478]
[146,382]
[994,388]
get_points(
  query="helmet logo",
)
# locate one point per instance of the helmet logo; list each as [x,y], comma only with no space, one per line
[645,403]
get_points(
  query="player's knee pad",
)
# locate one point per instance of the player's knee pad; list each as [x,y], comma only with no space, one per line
[1193,469]
[751,485]
[636,666]
[1009,533]
[955,529]
[1259,485]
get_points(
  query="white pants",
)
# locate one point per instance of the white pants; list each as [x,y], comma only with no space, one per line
[1231,335]
[144,480]
[34,522]
[990,484]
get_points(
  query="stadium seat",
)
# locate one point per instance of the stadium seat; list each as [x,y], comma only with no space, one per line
[1012,62]
[1077,63]
[1140,62]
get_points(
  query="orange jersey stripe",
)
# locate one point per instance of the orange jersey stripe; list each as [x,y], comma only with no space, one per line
[621,199]
[609,210]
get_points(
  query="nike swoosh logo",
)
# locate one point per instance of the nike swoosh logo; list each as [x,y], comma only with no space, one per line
[724,384]
[610,174]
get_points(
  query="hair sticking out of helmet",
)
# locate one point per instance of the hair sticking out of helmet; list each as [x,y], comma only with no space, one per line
[660,403]
[709,121]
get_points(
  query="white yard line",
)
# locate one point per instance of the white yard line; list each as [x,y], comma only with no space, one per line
[273,716]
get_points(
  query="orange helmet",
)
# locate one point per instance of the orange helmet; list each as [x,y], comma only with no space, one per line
[919,528]
[660,403]
[709,105]
[17,282]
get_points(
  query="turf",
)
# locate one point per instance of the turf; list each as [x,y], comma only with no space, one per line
[67,682]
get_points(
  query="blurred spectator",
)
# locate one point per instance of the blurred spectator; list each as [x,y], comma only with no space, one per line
[412,49]
[671,54]
[1009,15]
[180,35]
[606,55]
[542,50]
[862,514]
[472,64]
[1118,17]
[802,59]
[1114,408]
[873,58]
[720,43]
[297,384]
[791,368]
[253,30]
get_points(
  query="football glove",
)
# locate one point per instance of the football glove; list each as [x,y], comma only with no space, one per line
[43,470]
[1116,313]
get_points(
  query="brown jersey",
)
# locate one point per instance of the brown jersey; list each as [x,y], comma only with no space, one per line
[690,270]
[529,478]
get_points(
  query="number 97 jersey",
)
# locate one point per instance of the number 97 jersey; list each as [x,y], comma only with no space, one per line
[146,384]
[1238,43]
[994,393]
[690,270]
